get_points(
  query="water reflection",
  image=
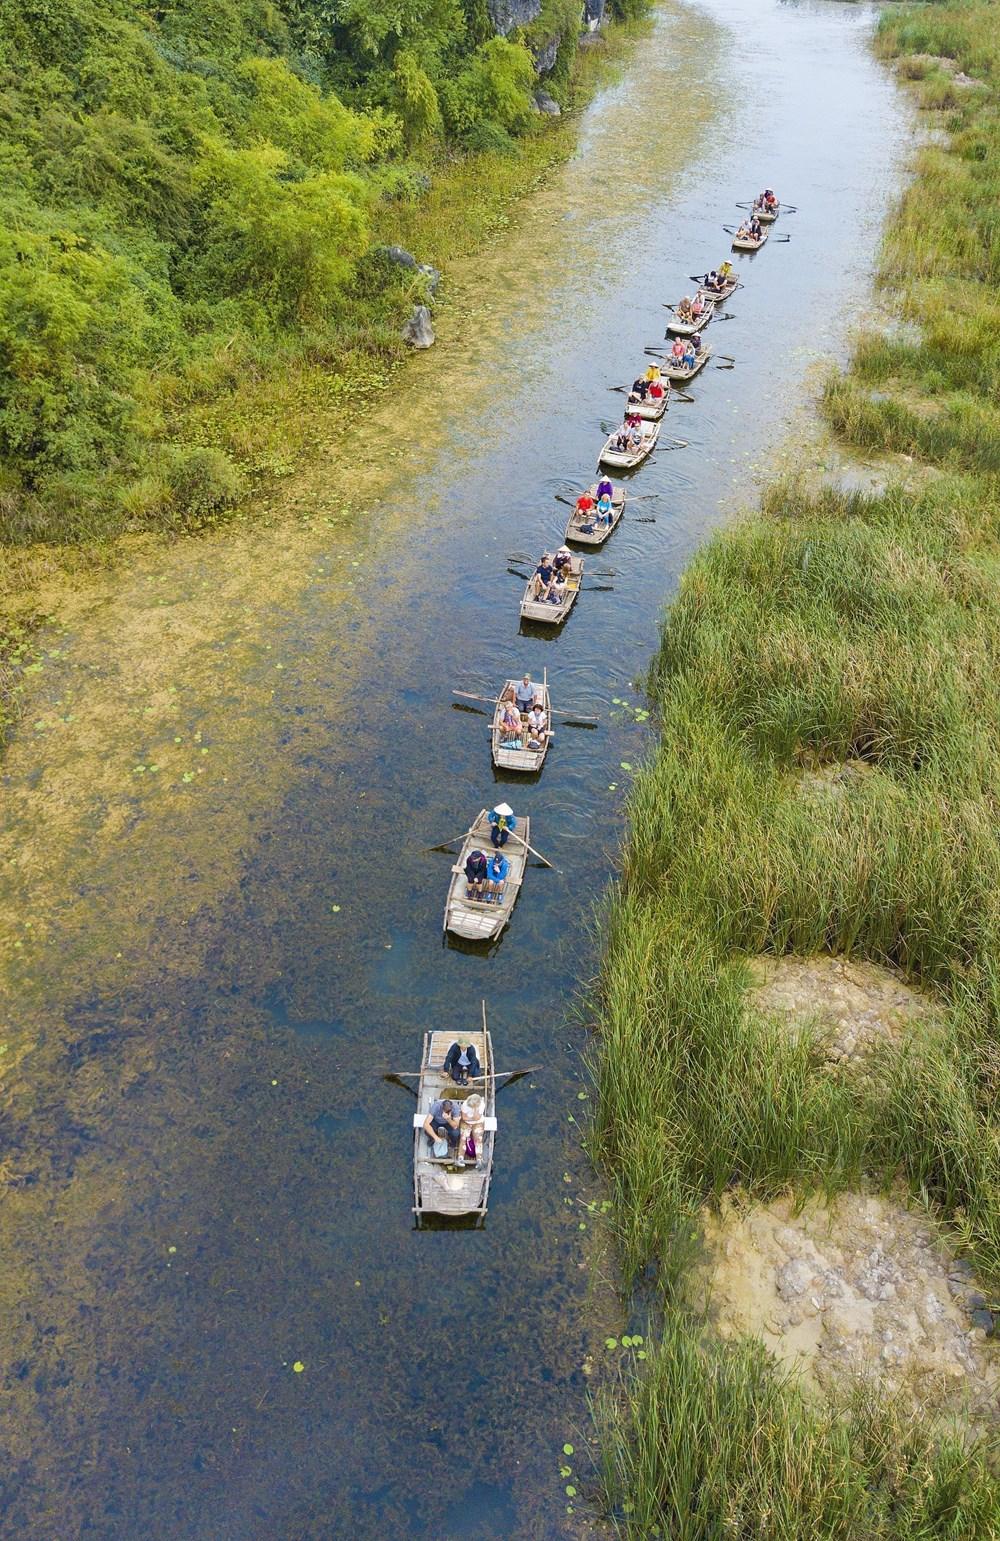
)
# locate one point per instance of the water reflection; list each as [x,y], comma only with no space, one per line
[223,1175]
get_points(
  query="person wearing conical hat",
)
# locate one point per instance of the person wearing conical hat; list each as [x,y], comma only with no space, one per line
[502,823]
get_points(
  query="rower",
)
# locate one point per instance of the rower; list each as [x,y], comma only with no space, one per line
[525,692]
[726,272]
[605,486]
[563,559]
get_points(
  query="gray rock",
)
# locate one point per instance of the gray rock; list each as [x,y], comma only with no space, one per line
[431,273]
[961,1268]
[794,1278]
[418,331]
[975,1301]
[593,13]
[545,103]
[400,255]
[983,1319]
[508,14]
[545,57]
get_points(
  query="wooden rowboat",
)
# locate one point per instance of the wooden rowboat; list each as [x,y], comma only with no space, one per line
[592,533]
[651,411]
[524,759]
[745,243]
[553,615]
[724,293]
[474,919]
[766,216]
[677,328]
[452,1184]
[628,459]
[682,376]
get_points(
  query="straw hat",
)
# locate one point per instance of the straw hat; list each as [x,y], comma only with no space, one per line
[505,810]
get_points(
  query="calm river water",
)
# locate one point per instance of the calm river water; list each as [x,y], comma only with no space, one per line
[223,924]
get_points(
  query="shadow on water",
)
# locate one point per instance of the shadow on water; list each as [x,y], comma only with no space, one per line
[213,1177]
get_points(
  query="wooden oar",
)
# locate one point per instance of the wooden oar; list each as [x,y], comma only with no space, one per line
[469,696]
[541,858]
[444,844]
[649,520]
[727,356]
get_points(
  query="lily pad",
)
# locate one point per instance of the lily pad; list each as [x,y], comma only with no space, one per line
[610,1343]
[568,1450]
[298,1366]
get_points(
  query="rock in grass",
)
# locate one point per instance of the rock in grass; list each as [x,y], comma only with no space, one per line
[547,104]
[402,257]
[418,331]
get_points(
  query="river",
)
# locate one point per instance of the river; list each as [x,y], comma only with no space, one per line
[220,922]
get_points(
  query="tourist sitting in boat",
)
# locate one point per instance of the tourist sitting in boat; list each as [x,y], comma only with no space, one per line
[542,577]
[756,228]
[635,437]
[556,594]
[689,355]
[713,283]
[473,1127]
[621,439]
[677,353]
[656,391]
[502,822]
[462,1062]
[639,389]
[768,201]
[442,1122]
[605,506]
[537,727]
[475,874]
[510,726]
[496,878]
[697,306]
[583,513]
[695,341]
[525,692]
[683,311]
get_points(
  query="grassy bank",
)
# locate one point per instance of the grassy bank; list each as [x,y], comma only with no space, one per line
[828,628]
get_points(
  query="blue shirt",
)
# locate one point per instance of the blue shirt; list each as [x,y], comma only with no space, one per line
[498,869]
[525,694]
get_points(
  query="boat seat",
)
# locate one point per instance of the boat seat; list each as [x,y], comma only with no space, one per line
[489,1124]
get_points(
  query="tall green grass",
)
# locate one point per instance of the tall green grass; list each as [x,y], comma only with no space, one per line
[830,627]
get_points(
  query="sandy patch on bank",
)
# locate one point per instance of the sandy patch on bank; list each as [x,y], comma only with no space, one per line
[860,1288]
[851,1006]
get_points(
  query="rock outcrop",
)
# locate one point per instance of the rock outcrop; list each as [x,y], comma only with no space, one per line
[508,14]
[406,259]
[593,14]
[546,104]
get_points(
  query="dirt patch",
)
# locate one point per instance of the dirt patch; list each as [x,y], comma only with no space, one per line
[852,1006]
[821,783]
[860,1288]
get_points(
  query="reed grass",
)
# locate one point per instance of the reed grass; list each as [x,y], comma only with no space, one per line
[831,627]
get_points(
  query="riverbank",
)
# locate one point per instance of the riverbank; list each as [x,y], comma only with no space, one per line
[271,422]
[824,785]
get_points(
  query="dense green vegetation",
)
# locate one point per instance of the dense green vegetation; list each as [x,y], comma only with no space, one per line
[830,627]
[192,202]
